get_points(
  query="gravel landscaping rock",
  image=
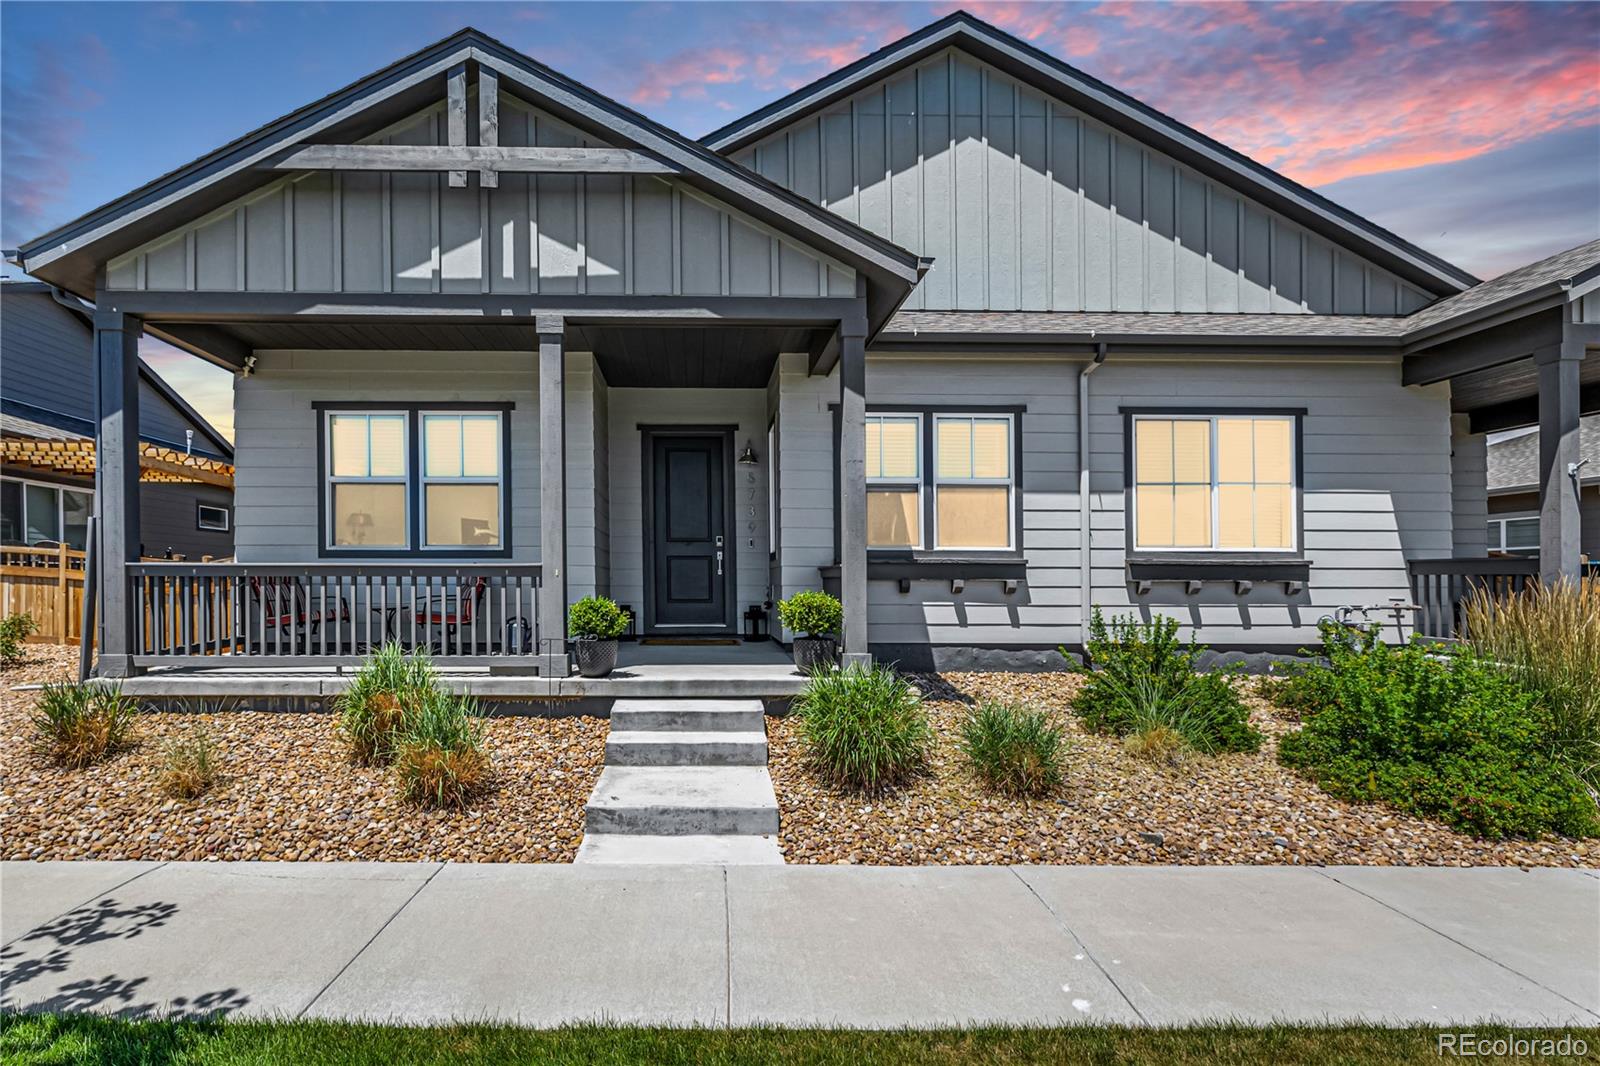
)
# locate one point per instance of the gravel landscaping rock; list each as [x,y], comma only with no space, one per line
[285,791]
[1114,808]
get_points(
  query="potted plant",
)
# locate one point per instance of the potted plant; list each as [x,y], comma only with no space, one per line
[814,617]
[594,623]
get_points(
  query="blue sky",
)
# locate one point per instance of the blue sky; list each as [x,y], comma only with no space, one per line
[1471,129]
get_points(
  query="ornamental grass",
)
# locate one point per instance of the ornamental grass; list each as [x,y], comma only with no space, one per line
[1549,637]
[78,725]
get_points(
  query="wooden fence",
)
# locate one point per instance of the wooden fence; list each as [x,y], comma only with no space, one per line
[46,583]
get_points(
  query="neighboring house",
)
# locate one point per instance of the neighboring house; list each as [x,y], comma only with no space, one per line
[959,331]
[48,419]
[1513,481]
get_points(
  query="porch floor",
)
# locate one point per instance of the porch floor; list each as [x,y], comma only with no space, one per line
[760,670]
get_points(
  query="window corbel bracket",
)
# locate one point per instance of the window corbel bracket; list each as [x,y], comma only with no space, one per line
[1193,586]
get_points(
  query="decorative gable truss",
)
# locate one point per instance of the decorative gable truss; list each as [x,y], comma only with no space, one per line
[354,228]
[1026,203]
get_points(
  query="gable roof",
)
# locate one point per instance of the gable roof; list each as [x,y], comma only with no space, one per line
[1118,110]
[1557,278]
[68,255]
[1514,461]
[75,426]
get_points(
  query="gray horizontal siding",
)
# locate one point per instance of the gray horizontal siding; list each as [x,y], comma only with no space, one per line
[547,233]
[1028,204]
[276,481]
[1377,492]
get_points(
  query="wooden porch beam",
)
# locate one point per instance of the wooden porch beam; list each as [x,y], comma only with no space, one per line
[456,117]
[208,342]
[488,122]
[481,157]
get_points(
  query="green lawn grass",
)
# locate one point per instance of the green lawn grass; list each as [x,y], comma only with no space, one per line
[89,1040]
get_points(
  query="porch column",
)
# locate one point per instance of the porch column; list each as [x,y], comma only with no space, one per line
[116,482]
[552,648]
[1558,452]
[853,488]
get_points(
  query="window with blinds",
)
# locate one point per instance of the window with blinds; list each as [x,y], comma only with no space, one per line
[972,482]
[461,480]
[948,485]
[894,481]
[367,480]
[1214,482]
[454,498]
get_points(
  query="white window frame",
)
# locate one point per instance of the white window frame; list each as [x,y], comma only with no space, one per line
[1499,522]
[1009,481]
[200,522]
[61,511]
[329,479]
[918,482]
[1211,440]
[423,480]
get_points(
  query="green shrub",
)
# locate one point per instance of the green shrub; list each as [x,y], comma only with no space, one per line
[439,756]
[1549,636]
[78,725]
[1452,737]
[373,709]
[14,629]
[1013,749]
[1141,676]
[863,727]
[596,616]
[188,767]
[814,614]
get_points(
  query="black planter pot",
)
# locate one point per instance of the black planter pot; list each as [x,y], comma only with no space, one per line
[596,657]
[812,652]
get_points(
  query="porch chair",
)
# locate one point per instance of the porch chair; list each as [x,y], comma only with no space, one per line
[290,613]
[443,621]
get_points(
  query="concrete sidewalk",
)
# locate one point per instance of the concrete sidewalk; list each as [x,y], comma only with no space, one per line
[796,945]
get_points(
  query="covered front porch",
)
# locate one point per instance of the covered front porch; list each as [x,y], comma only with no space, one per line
[637,452]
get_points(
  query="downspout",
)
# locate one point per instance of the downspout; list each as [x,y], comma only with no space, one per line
[1085,571]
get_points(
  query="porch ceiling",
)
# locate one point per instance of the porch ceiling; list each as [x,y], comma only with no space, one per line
[689,357]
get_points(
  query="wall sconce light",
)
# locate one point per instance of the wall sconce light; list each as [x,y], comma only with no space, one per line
[749,456]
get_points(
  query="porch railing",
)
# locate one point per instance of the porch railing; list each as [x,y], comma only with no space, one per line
[1440,586]
[309,614]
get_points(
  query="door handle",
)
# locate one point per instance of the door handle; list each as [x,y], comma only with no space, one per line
[719,564]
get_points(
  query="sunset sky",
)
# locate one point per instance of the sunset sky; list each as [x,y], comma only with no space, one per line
[1470,129]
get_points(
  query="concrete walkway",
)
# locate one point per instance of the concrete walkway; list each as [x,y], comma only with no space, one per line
[795,945]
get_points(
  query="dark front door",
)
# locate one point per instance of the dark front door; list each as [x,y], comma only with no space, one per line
[689,545]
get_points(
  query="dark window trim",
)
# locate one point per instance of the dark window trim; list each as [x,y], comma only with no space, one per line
[1179,565]
[648,432]
[227,517]
[929,553]
[412,409]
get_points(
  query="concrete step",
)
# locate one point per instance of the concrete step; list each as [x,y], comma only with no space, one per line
[683,800]
[669,747]
[719,850]
[695,716]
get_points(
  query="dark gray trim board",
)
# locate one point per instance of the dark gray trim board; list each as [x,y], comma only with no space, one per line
[1119,110]
[418,553]
[648,432]
[1041,658]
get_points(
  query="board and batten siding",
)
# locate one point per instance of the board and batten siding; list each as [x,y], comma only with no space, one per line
[276,476]
[1027,204]
[367,231]
[630,408]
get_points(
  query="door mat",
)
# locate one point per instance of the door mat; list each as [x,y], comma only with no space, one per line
[690,642]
